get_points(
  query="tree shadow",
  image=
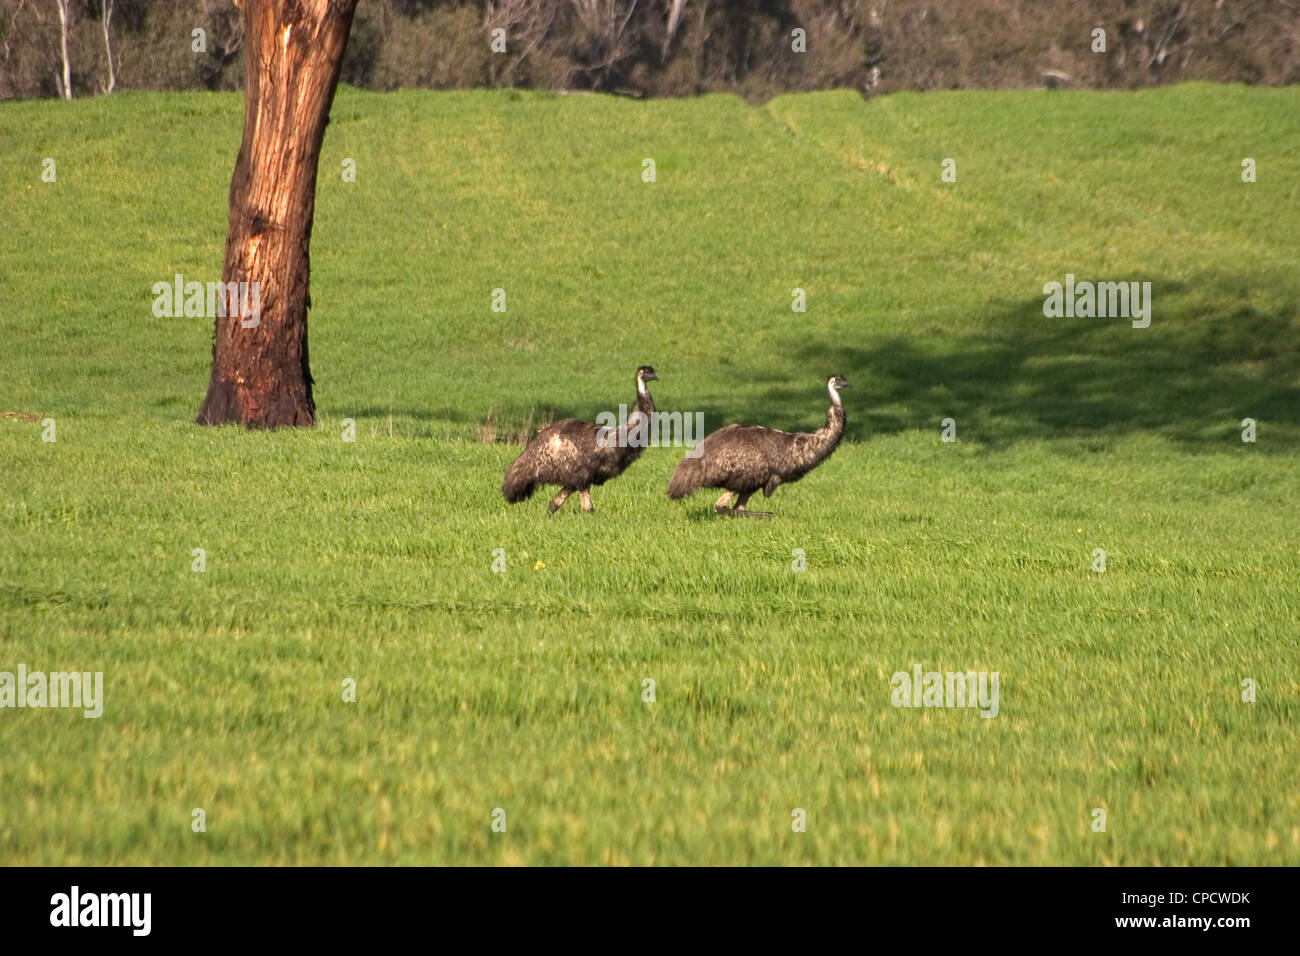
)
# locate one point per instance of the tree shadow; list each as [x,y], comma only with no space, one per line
[1211,357]
[1208,360]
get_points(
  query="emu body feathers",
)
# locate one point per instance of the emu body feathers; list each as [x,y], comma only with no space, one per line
[744,459]
[740,459]
[577,455]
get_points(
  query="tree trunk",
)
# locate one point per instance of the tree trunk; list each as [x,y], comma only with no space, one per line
[106,17]
[293,50]
[65,15]
[674,18]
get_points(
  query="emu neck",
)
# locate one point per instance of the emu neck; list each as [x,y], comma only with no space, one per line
[829,435]
[644,403]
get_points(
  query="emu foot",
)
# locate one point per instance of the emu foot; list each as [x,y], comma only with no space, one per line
[741,512]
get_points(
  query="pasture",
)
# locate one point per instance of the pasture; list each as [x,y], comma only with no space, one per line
[372,560]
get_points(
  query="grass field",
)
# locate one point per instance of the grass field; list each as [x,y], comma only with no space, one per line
[522,690]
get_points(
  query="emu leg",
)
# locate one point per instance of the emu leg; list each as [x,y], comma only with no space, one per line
[585,495]
[742,510]
[559,500]
[720,506]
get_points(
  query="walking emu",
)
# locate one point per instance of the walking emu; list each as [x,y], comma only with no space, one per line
[576,455]
[744,458]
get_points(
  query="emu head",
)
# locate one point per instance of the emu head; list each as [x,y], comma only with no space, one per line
[644,374]
[834,384]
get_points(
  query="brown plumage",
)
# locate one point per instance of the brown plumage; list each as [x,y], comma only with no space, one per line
[576,455]
[743,459]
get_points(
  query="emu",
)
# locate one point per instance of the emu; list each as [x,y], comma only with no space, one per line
[741,459]
[576,455]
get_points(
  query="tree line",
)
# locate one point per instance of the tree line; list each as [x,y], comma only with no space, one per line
[76,48]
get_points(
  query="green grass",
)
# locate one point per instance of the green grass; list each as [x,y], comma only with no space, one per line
[329,560]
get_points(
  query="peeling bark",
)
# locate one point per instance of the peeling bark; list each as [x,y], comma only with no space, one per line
[293,52]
